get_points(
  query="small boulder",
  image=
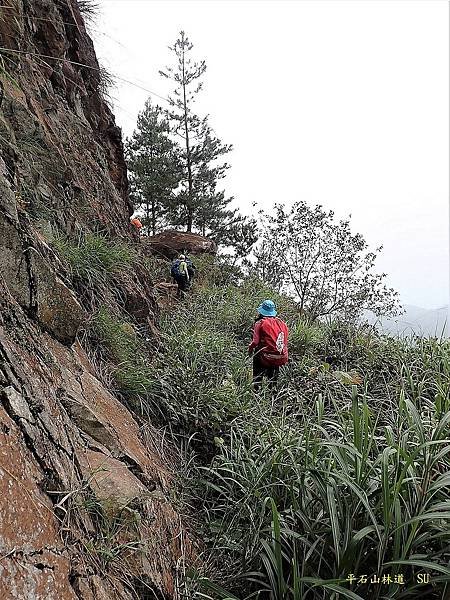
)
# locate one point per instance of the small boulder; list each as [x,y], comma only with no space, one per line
[170,243]
[111,480]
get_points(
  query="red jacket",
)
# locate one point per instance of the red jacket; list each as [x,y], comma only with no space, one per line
[270,340]
[136,223]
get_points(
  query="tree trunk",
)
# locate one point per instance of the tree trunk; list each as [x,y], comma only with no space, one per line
[152,199]
[189,219]
[147,215]
[153,216]
[188,154]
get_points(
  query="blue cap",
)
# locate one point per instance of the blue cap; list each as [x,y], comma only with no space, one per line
[267,308]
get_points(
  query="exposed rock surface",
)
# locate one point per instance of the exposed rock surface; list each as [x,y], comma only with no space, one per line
[169,243]
[63,433]
[62,155]
[85,507]
[35,285]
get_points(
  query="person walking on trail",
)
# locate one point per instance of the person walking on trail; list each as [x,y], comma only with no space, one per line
[269,345]
[180,274]
[137,225]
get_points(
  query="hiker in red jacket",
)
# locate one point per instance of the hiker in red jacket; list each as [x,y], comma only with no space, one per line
[269,345]
[137,225]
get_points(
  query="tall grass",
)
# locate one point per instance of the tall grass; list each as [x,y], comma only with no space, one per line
[301,500]
[97,266]
[125,352]
[298,491]
[196,384]
[92,256]
[322,481]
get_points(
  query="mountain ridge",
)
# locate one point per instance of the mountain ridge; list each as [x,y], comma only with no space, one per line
[415,320]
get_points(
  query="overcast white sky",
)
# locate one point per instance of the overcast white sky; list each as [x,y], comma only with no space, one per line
[345,104]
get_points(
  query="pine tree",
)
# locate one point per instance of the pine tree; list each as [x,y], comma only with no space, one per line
[153,161]
[201,149]
[212,216]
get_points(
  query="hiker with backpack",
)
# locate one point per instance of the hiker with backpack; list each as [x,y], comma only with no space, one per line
[180,274]
[269,345]
[137,225]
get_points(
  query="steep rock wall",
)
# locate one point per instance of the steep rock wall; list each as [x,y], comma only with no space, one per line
[62,155]
[84,484]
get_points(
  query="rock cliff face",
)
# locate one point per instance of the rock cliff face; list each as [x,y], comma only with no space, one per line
[84,484]
[62,158]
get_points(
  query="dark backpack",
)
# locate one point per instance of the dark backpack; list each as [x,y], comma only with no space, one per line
[175,269]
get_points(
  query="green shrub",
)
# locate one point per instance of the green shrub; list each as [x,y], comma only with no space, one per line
[214,271]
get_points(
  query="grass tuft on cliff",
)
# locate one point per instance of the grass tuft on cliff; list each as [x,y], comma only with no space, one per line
[126,354]
[89,9]
[91,255]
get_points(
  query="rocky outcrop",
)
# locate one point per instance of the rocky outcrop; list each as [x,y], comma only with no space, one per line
[171,242]
[61,151]
[34,283]
[72,454]
[34,564]
[85,484]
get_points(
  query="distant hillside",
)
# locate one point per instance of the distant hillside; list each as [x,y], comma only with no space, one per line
[422,321]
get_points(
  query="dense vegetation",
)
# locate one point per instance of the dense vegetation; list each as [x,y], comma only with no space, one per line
[329,477]
[336,485]
[342,473]
[325,479]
